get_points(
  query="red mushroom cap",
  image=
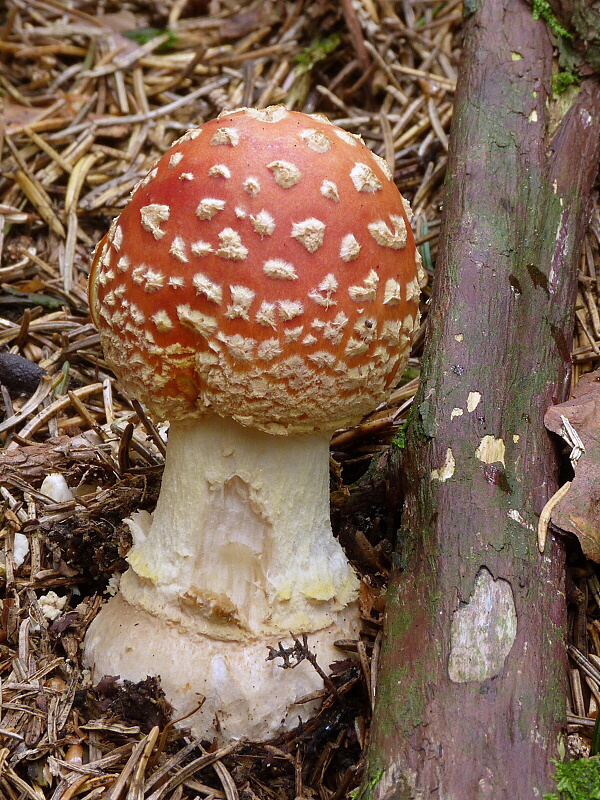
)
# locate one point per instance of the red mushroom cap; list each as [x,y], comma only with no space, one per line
[263,270]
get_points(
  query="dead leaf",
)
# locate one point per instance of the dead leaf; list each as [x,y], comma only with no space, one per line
[244,22]
[579,511]
[121,21]
[16,115]
[582,411]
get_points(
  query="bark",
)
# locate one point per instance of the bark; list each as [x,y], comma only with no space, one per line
[472,684]
[33,462]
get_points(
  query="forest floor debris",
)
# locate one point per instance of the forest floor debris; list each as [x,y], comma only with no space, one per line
[92,94]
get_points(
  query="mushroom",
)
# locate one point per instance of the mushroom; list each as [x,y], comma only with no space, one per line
[259,291]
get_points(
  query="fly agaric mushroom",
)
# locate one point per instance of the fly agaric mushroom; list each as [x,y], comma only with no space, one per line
[259,291]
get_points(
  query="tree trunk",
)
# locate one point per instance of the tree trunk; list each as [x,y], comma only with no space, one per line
[472,684]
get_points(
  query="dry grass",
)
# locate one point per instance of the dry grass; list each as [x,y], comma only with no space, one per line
[87,109]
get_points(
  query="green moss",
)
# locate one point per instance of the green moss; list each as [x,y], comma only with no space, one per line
[399,440]
[577,780]
[365,792]
[400,708]
[470,7]
[562,80]
[425,423]
[318,50]
[400,700]
[549,707]
[399,621]
[542,10]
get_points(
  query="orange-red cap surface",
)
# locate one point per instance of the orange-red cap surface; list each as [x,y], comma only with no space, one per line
[264,270]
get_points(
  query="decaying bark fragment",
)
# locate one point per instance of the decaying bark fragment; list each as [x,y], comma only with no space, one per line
[33,462]
[471,696]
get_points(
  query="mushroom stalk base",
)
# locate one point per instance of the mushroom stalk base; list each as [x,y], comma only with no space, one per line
[246,696]
[238,555]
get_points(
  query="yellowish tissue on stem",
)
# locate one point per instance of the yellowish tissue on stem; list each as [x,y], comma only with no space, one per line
[241,544]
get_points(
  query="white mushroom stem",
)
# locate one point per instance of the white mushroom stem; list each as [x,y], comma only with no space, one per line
[239,554]
[241,544]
